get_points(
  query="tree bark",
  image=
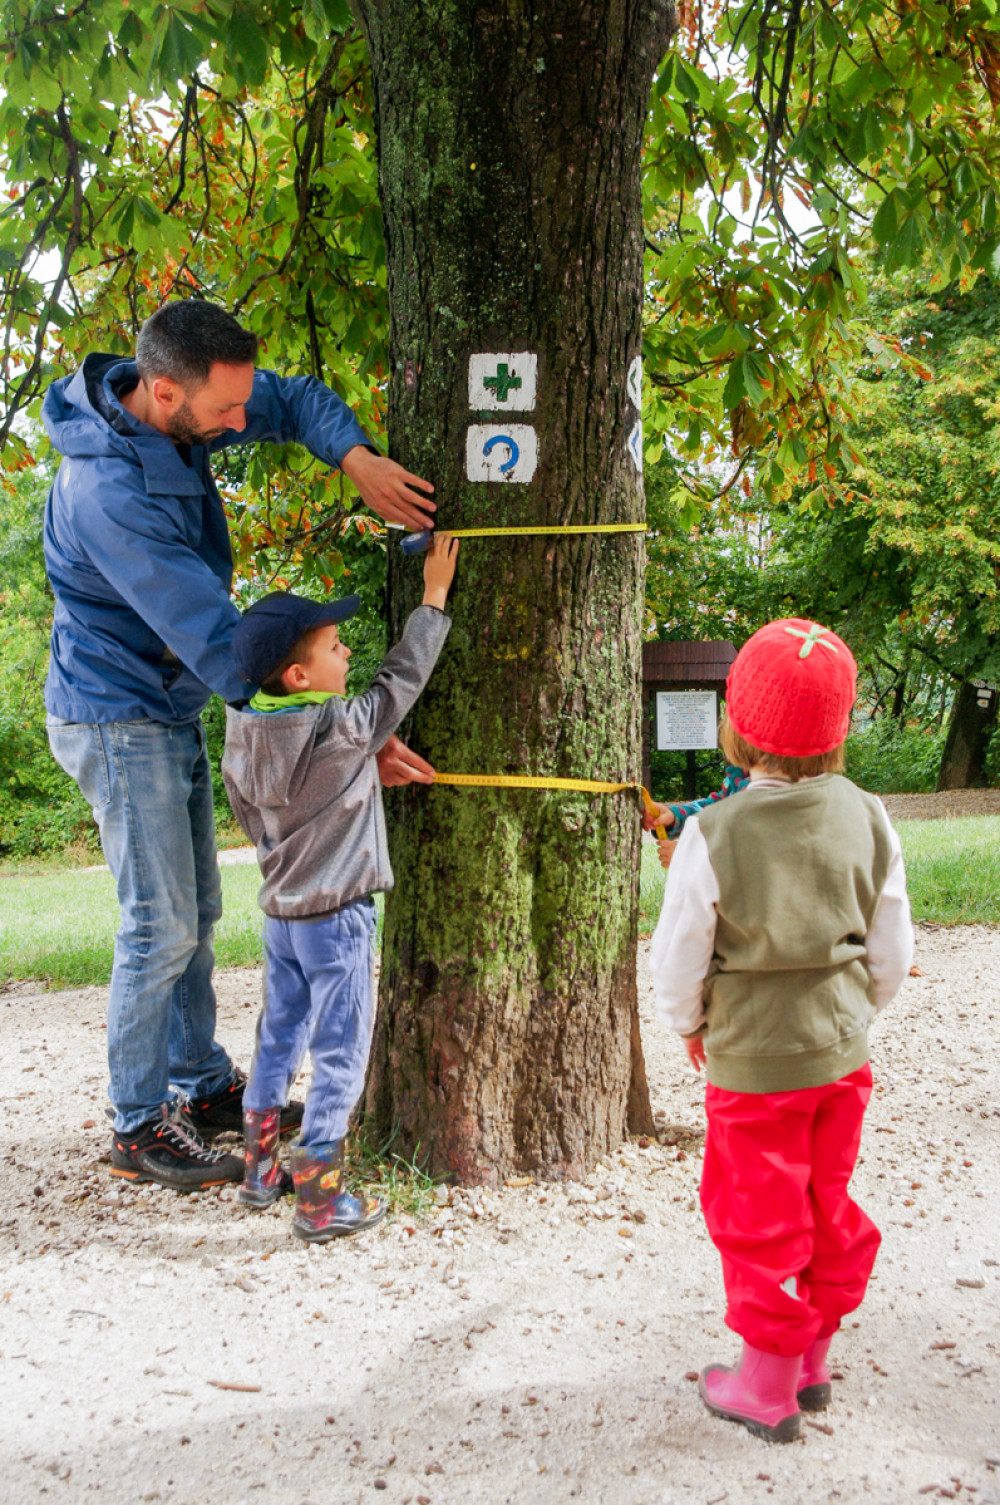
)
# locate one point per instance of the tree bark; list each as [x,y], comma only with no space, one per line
[509,142]
[973,722]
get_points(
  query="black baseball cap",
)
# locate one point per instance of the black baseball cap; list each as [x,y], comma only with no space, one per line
[269,629]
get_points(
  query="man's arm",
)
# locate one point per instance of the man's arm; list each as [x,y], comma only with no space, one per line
[302,410]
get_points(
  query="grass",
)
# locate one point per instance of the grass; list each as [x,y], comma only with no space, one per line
[952,872]
[57,926]
[389,1175]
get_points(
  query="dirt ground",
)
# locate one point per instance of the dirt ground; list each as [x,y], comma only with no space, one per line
[533,1346]
[947,805]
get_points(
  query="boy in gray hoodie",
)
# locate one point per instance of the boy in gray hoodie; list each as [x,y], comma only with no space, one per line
[300,771]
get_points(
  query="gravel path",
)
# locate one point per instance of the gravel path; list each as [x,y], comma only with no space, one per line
[944,806]
[533,1346]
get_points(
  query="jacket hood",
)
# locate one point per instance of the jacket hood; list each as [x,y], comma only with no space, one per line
[267,755]
[82,414]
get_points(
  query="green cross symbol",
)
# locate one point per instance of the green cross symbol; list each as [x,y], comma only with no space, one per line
[812,637]
[503,381]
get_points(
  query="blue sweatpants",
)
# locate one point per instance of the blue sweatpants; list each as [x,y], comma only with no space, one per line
[317,997]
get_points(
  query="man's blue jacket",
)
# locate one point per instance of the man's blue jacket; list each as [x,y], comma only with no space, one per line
[137,547]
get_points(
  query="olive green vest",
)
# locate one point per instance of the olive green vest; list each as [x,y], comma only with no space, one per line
[800,871]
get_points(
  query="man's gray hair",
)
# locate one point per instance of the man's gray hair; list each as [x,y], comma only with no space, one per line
[183,340]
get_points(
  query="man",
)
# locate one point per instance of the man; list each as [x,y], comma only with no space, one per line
[138,554]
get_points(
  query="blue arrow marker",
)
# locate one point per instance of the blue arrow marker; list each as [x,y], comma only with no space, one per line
[515,453]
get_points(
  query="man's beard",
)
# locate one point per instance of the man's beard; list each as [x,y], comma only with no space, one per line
[182,429]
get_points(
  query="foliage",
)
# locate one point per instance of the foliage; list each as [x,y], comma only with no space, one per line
[224,149]
[890,758]
[907,567]
[217,151]
[40,809]
[783,136]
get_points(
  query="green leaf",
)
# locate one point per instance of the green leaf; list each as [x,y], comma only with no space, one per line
[735,390]
[884,223]
[751,381]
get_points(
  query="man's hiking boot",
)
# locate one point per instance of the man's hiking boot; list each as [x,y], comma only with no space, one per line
[222,1112]
[264,1179]
[169,1152]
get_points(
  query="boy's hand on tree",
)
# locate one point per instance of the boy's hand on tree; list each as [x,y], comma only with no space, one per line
[695,1047]
[439,569]
[388,489]
[398,764]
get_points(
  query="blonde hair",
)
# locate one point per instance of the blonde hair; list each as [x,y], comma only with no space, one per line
[744,755]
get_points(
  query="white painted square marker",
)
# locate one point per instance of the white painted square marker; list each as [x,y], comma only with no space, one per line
[505,382]
[635,445]
[501,452]
[634,382]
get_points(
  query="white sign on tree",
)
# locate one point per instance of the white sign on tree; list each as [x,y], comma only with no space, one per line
[634,383]
[686,720]
[501,452]
[505,382]
[634,445]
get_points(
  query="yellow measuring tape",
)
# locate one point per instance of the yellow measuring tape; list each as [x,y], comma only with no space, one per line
[562,528]
[528,781]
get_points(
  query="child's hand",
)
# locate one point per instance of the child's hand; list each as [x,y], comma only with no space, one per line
[695,1047]
[666,850]
[665,818]
[439,569]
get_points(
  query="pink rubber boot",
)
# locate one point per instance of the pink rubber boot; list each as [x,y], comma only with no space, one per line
[760,1394]
[814,1392]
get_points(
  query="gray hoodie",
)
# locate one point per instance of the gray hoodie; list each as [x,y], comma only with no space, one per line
[304,783]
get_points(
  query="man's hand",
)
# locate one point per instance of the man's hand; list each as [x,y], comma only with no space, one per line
[388,489]
[695,1047]
[398,765]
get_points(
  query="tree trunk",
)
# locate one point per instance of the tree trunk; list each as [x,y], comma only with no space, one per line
[509,146]
[973,722]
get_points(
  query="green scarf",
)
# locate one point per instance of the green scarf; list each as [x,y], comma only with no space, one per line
[264,702]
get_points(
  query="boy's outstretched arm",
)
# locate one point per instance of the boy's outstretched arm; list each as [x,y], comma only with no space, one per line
[368,721]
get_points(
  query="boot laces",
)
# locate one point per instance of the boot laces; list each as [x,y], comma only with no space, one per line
[180,1133]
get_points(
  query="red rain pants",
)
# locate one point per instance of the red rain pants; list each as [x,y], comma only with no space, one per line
[796,1250]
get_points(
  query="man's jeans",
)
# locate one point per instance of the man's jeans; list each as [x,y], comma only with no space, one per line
[150,788]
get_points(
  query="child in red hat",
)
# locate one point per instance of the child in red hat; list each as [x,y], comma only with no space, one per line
[785,928]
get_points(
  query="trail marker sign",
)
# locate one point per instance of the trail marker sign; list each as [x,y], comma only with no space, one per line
[503,382]
[501,452]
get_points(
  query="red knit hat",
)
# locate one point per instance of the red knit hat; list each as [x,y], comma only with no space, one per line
[791,689]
